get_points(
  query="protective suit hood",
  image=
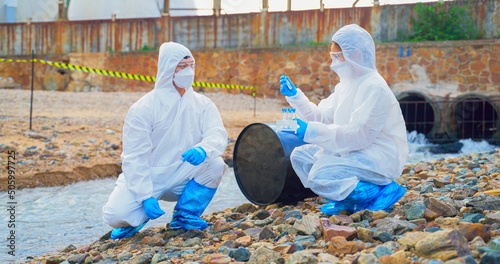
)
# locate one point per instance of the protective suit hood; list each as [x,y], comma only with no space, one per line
[358,49]
[170,55]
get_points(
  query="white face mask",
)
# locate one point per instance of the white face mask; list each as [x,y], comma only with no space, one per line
[337,65]
[184,78]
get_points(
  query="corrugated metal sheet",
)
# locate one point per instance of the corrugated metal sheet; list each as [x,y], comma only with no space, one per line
[386,23]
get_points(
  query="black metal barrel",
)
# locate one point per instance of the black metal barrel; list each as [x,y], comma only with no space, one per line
[262,166]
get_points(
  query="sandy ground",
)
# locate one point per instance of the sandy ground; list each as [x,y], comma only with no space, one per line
[72,132]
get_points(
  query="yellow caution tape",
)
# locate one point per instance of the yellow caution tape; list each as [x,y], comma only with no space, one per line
[128,75]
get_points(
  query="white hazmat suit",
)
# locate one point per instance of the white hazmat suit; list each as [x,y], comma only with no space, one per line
[158,129]
[356,134]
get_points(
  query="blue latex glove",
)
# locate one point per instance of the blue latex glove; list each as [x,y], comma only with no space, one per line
[285,90]
[152,208]
[194,156]
[301,131]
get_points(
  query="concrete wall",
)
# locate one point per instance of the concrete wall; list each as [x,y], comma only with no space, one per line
[441,68]
[254,30]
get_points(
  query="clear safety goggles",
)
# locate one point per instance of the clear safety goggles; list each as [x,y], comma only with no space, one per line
[338,56]
[184,65]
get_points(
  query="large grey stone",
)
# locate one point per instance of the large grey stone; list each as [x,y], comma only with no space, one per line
[309,225]
[300,257]
[395,226]
[264,255]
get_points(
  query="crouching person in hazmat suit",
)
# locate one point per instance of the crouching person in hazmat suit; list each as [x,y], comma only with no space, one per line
[172,141]
[357,135]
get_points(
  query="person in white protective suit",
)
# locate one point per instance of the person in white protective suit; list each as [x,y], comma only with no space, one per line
[172,141]
[357,136]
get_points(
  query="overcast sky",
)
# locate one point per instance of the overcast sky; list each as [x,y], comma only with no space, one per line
[236,6]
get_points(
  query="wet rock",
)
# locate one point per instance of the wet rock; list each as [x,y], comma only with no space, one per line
[395,226]
[410,239]
[440,182]
[339,245]
[222,226]
[492,257]
[301,239]
[266,233]
[78,258]
[265,255]
[264,222]
[127,255]
[472,218]
[492,218]
[364,234]
[379,214]
[325,257]
[485,202]
[193,233]
[302,257]
[440,207]
[107,246]
[69,248]
[246,225]
[260,215]
[382,236]
[244,241]
[152,241]
[144,258]
[277,213]
[461,193]
[394,260]
[245,208]
[362,215]
[416,211]
[240,254]
[471,230]
[364,258]
[336,230]
[192,242]
[309,225]
[430,215]
[54,260]
[382,250]
[341,219]
[293,214]
[216,259]
[443,245]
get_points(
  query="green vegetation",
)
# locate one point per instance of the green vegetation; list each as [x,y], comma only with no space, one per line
[312,43]
[145,48]
[437,24]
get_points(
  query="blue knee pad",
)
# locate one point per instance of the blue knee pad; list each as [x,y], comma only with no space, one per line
[190,206]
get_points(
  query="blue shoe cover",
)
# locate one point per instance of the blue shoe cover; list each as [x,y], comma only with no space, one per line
[335,207]
[128,231]
[366,196]
[388,196]
[190,206]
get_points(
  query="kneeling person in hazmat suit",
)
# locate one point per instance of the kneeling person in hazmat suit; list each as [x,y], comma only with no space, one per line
[172,141]
[357,135]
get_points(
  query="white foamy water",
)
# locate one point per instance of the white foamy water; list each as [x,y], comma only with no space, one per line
[49,219]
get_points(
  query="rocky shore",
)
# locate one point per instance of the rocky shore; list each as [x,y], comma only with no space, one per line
[449,214]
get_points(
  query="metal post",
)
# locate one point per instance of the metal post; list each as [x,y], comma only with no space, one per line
[265,5]
[32,77]
[217,7]
[288,5]
[61,9]
[166,7]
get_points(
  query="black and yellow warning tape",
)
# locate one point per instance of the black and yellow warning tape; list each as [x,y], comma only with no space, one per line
[127,75]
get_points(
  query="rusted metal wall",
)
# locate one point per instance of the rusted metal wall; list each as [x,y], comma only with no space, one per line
[385,23]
